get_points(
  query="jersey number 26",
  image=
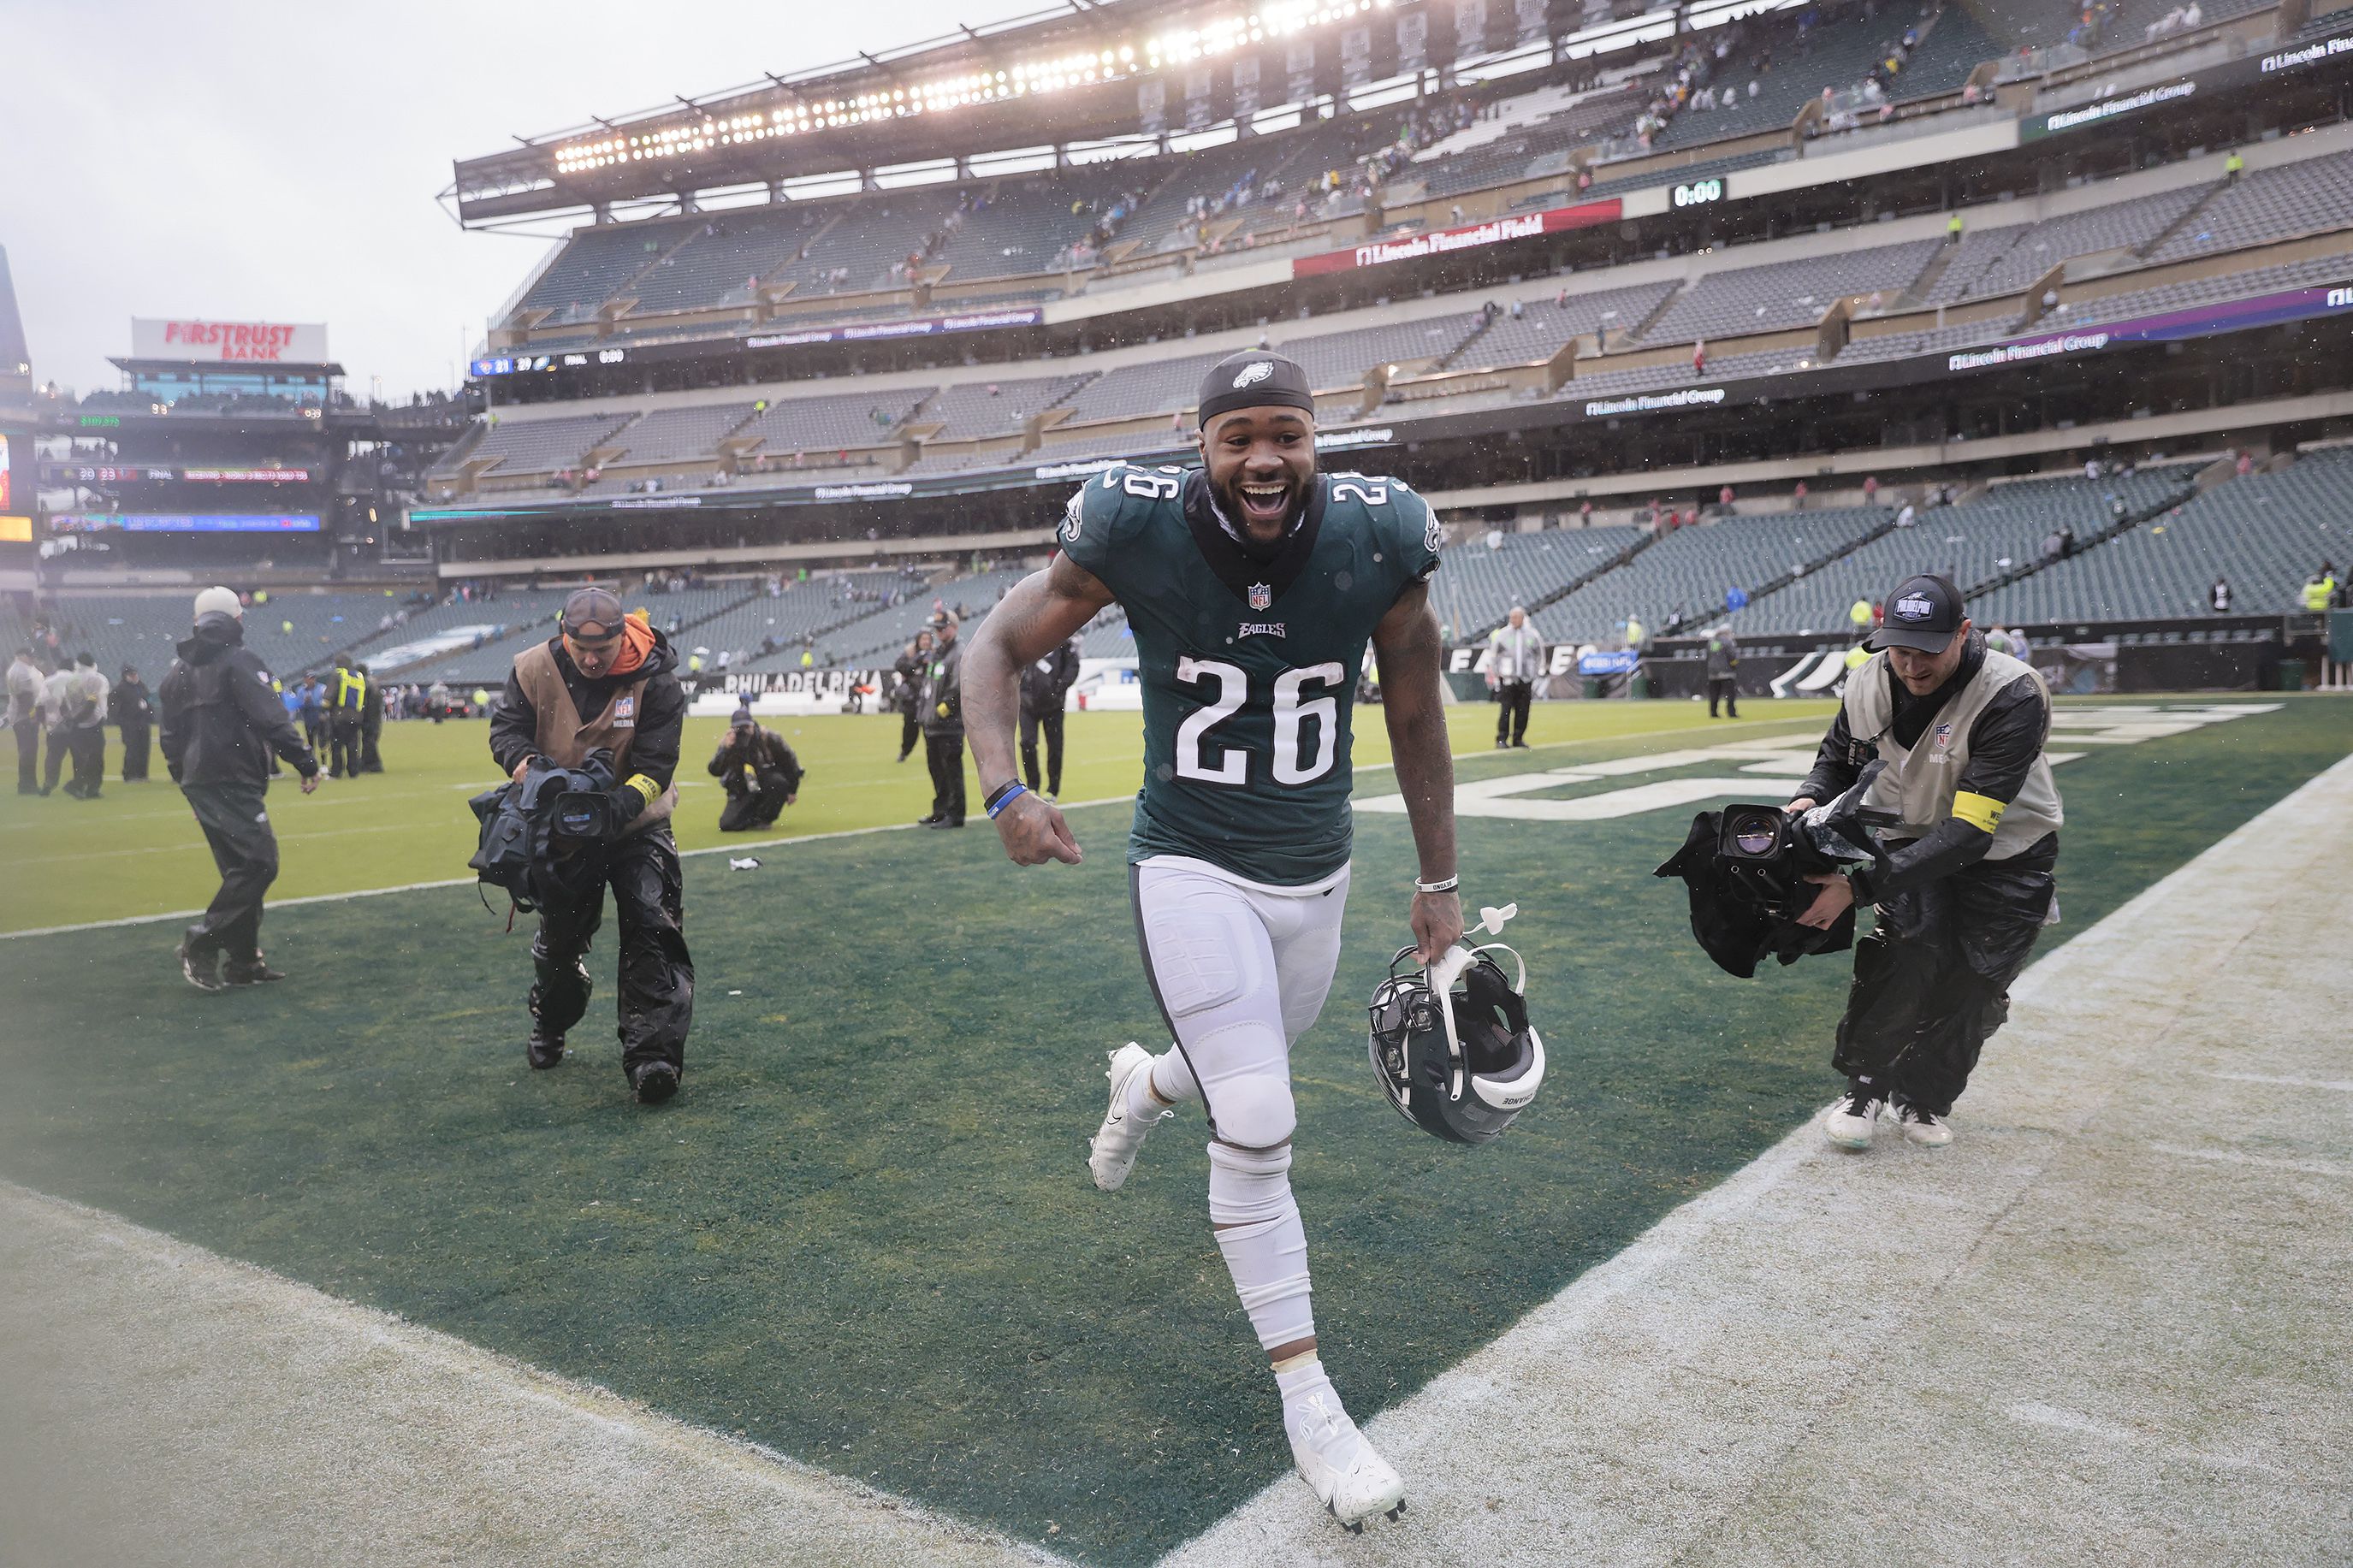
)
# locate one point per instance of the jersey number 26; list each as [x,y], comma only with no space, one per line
[1232,765]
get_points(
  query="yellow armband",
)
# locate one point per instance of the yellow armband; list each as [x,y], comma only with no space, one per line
[647,793]
[1981,811]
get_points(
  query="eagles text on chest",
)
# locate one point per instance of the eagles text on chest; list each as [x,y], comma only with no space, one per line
[1260,630]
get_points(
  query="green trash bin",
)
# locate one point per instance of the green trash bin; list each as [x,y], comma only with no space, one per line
[1642,686]
[1592,687]
[2291,675]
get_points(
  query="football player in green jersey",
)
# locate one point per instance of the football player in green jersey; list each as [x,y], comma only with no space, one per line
[1252,587]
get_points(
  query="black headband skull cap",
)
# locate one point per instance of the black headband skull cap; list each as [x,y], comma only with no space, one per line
[1254,379]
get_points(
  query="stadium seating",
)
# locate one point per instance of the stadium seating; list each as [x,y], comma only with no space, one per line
[1027,222]
[880,635]
[1156,387]
[593,265]
[717,266]
[2267,205]
[2004,261]
[1691,569]
[488,662]
[842,422]
[996,407]
[2003,528]
[543,445]
[2263,533]
[1788,293]
[1338,360]
[1704,169]
[676,435]
[2304,274]
[1479,582]
[1528,149]
[1536,333]
[1835,55]
[865,241]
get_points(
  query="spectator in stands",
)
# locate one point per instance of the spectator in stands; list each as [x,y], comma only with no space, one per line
[942,709]
[221,723]
[1871,490]
[130,707]
[759,772]
[1699,357]
[1906,516]
[1724,502]
[1045,692]
[1798,497]
[1514,664]
[85,716]
[1723,668]
[2218,597]
[26,689]
[1953,226]
[2245,465]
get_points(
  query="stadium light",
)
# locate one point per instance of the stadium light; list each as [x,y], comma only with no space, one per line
[1024,79]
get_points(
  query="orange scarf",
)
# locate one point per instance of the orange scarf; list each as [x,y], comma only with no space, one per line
[637,642]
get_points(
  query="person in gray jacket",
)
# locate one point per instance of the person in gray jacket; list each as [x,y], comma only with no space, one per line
[1514,663]
[26,689]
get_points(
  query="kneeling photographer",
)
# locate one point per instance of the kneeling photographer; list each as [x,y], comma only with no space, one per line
[607,681]
[758,770]
[1964,882]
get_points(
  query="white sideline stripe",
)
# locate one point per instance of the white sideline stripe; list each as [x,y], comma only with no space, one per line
[2265,1161]
[2334,1085]
[229,1363]
[1628,1387]
[735,848]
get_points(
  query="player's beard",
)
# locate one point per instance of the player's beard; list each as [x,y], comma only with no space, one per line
[1230,502]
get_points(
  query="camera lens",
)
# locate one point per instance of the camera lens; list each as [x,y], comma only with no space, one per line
[1756,835]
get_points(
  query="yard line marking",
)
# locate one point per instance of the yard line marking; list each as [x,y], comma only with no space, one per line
[2264,1161]
[2335,1085]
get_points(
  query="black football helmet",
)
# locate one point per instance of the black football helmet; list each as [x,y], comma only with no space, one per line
[1453,1045]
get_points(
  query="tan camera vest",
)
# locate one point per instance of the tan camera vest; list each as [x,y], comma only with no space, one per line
[1921,782]
[564,739]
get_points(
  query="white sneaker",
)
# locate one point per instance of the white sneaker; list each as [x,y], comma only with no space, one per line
[1111,1154]
[1923,1126]
[1349,1478]
[1849,1122]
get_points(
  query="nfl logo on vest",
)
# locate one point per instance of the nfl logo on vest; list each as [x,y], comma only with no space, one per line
[1262,594]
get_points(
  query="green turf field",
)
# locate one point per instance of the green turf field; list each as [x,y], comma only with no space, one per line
[864,1234]
[137,851]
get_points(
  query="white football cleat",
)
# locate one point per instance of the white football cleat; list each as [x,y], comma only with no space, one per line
[1111,1154]
[1849,1122]
[1923,1126]
[1349,1478]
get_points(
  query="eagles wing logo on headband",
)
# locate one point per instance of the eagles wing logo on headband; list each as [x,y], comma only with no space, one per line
[1252,374]
[1915,608]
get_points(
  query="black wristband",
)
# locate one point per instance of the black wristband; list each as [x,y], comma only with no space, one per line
[990,802]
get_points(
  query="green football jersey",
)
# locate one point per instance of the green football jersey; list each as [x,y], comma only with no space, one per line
[1248,668]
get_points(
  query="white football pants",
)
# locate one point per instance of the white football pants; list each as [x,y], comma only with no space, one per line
[1240,971]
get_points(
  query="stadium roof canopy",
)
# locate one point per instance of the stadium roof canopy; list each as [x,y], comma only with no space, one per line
[1087,71]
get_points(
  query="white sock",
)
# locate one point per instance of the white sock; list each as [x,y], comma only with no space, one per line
[1264,1242]
[1171,1079]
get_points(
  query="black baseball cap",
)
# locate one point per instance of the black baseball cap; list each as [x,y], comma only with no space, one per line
[1254,379]
[1923,612]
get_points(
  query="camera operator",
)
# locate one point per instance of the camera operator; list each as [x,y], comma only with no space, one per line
[757,768]
[609,682]
[1965,883]
[908,696]
[1045,687]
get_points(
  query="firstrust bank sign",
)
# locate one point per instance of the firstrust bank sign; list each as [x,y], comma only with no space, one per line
[229,343]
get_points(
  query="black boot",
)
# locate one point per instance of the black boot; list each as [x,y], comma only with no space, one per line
[543,1049]
[258,973]
[653,1082]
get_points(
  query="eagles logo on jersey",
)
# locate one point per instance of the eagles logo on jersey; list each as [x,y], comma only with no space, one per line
[1248,665]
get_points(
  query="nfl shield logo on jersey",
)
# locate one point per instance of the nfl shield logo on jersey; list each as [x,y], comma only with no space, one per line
[1262,594]
[625,708]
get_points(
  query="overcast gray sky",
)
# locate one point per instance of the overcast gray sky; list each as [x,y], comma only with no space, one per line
[246,161]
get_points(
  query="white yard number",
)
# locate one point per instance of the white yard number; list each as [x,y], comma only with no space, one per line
[1231,768]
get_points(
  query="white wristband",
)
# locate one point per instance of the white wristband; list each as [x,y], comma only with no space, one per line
[1443,885]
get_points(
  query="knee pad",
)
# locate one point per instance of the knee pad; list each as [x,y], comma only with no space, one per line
[1250,1188]
[1253,1110]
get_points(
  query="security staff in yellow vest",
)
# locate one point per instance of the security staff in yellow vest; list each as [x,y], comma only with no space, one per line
[1965,880]
[346,705]
[609,680]
[2319,589]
